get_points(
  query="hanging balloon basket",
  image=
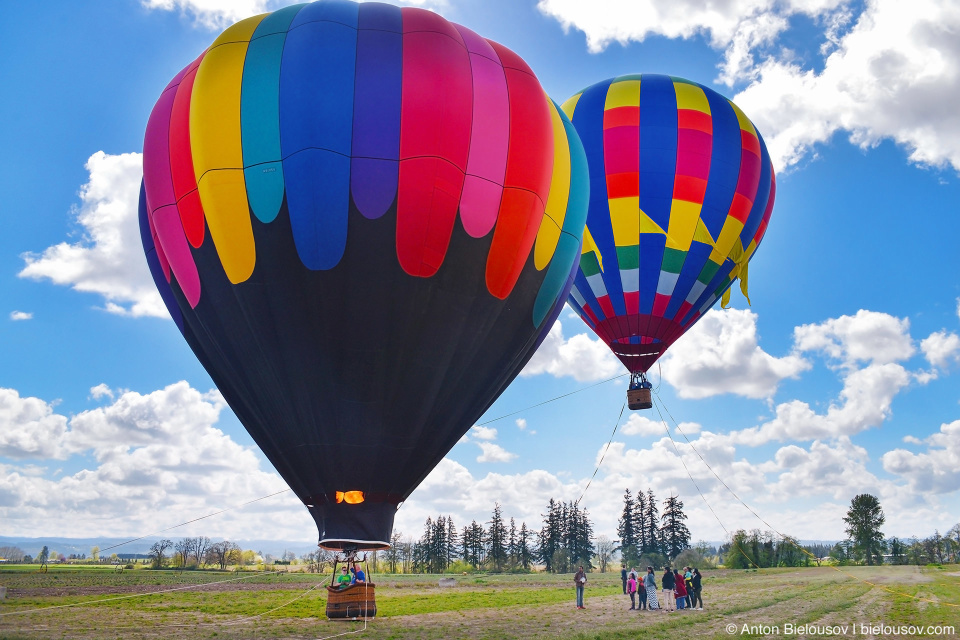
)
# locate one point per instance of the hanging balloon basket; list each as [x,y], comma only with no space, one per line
[639,395]
[355,601]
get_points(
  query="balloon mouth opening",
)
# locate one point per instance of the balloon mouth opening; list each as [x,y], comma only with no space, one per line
[350,497]
[339,544]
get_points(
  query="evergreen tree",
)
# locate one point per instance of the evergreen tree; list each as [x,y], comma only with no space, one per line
[864,519]
[497,540]
[453,540]
[898,551]
[627,530]
[651,517]
[422,548]
[578,536]
[525,554]
[674,534]
[641,529]
[437,558]
[513,551]
[474,539]
[550,538]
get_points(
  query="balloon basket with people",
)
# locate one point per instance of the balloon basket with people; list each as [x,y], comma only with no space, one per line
[639,395]
[350,594]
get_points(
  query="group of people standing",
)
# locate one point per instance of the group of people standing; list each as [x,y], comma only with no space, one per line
[679,591]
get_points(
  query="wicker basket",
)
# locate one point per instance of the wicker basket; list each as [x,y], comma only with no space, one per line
[639,399]
[355,602]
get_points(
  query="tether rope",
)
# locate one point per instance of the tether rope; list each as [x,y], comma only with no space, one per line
[615,427]
[690,475]
[209,515]
[135,595]
[513,413]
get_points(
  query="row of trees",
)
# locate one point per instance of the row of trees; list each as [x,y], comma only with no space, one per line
[764,549]
[644,533]
[564,541]
[200,551]
[865,544]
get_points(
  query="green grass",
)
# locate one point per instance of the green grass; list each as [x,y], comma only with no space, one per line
[494,607]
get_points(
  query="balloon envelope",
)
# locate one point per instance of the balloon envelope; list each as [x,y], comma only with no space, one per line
[681,190]
[364,219]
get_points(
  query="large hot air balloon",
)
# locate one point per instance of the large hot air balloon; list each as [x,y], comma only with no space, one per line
[363,219]
[681,190]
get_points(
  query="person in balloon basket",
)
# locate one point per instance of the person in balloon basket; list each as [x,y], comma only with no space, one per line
[667,583]
[650,586]
[343,580]
[632,590]
[357,575]
[679,590]
[580,581]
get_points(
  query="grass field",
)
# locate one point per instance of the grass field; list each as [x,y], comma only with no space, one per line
[788,603]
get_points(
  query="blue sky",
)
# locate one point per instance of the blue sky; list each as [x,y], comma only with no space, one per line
[840,379]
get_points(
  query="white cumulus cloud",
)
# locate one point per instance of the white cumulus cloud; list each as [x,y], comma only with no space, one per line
[29,428]
[101,391]
[894,75]
[940,348]
[155,453]
[722,23]
[108,257]
[584,358]
[638,425]
[887,69]
[721,354]
[483,433]
[936,470]
[17,316]
[492,452]
[868,336]
[865,402]
[218,14]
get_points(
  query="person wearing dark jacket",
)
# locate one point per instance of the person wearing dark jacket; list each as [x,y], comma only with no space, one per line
[667,583]
[580,581]
[696,600]
[623,576]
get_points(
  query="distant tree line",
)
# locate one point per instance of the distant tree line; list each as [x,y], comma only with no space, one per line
[564,542]
[756,549]
[865,544]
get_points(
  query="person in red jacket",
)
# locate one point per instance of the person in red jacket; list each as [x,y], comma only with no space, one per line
[680,590]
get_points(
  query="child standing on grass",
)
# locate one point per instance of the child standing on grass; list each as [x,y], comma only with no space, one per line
[632,590]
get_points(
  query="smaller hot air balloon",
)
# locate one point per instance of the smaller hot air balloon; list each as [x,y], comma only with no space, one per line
[681,191]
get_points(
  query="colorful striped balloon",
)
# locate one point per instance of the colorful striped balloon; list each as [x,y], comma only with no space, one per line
[681,190]
[364,219]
